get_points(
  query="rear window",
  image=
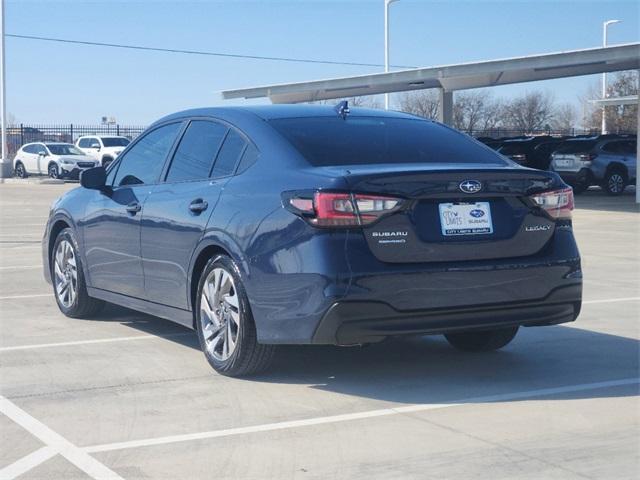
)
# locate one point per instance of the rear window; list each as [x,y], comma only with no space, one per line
[326,141]
[511,148]
[576,146]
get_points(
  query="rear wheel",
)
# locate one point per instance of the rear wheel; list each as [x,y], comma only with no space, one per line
[69,286]
[579,188]
[482,341]
[53,170]
[19,170]
[225,324]
[615,181]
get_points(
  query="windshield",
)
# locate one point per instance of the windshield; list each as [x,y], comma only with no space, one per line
[326,141]
[576,146]
[64,149]
[115,141]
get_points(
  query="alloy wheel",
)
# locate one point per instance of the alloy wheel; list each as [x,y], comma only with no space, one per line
[220,314]
[65,273]
[616,183]
[20,171]
[53,170]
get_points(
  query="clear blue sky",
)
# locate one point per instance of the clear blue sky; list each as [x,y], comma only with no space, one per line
[51,82]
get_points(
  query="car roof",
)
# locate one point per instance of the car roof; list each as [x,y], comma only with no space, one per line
[270,112]
[101,136]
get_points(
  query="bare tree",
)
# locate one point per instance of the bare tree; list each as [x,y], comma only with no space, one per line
[423,103]
[530,112]
[564,117]
[472,110]
[620,118]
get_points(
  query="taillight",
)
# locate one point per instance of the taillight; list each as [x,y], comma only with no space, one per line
[558,203]
[330,209]
[587,158]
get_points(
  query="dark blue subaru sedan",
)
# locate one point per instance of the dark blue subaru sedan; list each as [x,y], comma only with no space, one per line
[313,225]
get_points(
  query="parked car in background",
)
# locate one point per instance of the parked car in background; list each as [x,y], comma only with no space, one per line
[103,148]
[607,160]
[533,152]
[305,224]
[58,160]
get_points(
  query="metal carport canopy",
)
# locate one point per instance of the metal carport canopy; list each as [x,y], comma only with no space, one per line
[455,77]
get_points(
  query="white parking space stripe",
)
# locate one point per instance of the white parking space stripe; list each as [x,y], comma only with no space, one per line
[27,463]
[611,300]
[356,416]
[89,342]
[68,450]
[35,295]
[21,267]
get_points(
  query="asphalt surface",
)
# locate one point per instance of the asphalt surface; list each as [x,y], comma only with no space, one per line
[125,395]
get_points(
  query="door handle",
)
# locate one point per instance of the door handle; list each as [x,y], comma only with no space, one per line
[134,207]
[198,206]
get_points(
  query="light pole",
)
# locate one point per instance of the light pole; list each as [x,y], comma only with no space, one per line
[605,28]
[5,168]
[386,45]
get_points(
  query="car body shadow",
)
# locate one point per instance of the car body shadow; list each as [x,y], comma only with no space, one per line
[427,370]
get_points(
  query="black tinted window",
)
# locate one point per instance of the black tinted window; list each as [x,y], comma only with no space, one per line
[612,147]
[375,140]
[197,150]
[115,141]
[576,146]
[249,157]
[143,163]
[229,155]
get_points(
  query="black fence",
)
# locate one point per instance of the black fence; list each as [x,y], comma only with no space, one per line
[502,132]
[18,135]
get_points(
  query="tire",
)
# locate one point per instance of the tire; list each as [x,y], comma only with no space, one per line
[222,313]
[615,181]
[66,268]
[19,171]
[106,161]
[53,170]
[579,188]
[482,341]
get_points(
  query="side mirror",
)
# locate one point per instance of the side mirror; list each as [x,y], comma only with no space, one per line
[96,146]
[43,154]
[94,178]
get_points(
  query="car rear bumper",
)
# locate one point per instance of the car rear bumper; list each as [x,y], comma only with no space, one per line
[584,176]
[349,323]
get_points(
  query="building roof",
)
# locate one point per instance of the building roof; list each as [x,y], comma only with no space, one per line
[460,76]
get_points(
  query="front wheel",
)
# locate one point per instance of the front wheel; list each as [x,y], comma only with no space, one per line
[482,341]
[54,172]
[67,277]
[225,324]
[615,182]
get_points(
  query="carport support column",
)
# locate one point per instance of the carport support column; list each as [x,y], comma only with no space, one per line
[445,106]
[5,164]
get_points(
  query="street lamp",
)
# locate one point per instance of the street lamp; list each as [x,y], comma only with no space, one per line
[5,167]
[386,45]
[605,28]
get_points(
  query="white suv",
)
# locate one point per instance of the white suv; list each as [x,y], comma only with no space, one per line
[58,160]
[102,148]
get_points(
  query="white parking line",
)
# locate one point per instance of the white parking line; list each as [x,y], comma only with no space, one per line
[89,342]
[25,464]
[355,416]
[61,445]
[34,295]
[611,300]
[21,267]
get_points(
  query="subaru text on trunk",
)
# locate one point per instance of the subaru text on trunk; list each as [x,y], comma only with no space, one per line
[271,225]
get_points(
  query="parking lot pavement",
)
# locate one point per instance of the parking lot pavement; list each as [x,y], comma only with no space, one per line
[126,395]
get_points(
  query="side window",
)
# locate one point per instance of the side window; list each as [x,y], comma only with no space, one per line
[629,148]
[197,150]
[83,143]
[40,148]
[144,161]
[94,142]
[249,157]
[229,155]
[611,147]
[29,149]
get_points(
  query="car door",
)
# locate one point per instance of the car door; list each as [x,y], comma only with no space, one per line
[111,229]
[42,158]
[178,210]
